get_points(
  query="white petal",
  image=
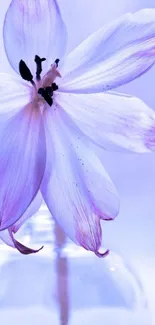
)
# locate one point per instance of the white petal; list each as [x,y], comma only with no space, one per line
[22,157]
[112,119]
[113,56]
[38,30]
[7,235]
[14,94]
[78,191]
[31,210]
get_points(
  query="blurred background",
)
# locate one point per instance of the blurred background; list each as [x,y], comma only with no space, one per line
[132,233]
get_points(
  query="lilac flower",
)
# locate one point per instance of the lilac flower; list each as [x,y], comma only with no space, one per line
[52,111]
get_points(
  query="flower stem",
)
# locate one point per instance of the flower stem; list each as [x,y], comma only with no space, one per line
[62,275]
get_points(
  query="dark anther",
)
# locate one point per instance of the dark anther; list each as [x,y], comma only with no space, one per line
[25,72]
[49,91]
[38,62]
[54,86]
[44,93]
[57,61]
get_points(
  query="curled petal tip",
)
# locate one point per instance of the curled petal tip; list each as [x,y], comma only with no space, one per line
[108,219]
[38,250]
[26,250]
[22,248]
[7,237]
[99,254]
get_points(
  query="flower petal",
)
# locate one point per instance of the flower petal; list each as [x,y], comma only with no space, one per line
[39,30]
[31,210]
[22,157]
[113,56]
[7,235]
[78,192]
[110,119]
[14,94]
[8,238]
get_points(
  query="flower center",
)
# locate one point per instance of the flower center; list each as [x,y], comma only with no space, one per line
[46,86]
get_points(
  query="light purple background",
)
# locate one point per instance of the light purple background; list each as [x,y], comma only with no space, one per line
[132,233]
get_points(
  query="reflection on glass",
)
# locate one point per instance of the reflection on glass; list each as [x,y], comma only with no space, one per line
[65,285]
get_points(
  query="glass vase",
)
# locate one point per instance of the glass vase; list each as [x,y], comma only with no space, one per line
[65,285]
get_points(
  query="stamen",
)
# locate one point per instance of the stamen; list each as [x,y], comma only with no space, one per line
[49,91]
[54,86]
[38,62]
[25,72]
[44,93]
[56,62]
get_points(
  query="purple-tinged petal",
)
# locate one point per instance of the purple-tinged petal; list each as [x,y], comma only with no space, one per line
[14,95]
[78,191]
[22,157]
[112,56]
[7,237]
[112,121]
[31,210]
[38,30]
